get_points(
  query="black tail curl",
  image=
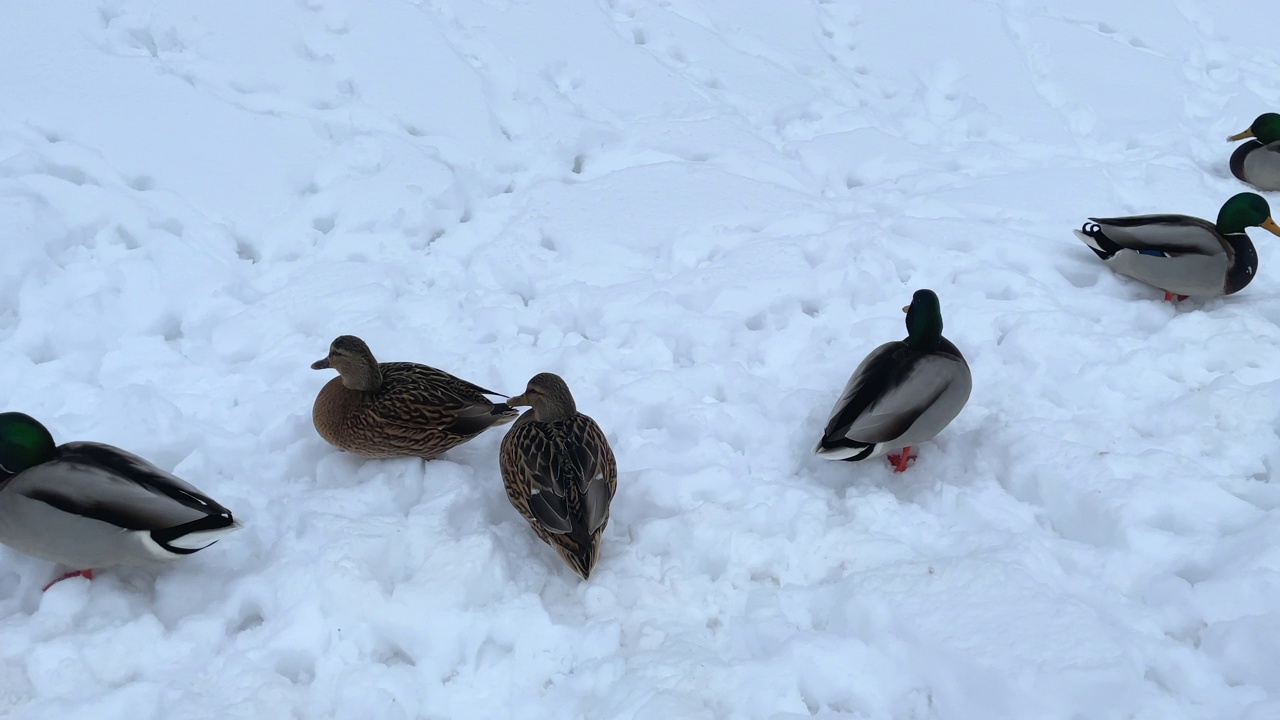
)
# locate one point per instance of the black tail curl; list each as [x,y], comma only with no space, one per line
[1102,245]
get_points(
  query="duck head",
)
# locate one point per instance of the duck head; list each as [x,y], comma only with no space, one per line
[354,361]
[549,396]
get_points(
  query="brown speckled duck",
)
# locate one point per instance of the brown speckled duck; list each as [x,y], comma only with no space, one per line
[559,472]
[398,409]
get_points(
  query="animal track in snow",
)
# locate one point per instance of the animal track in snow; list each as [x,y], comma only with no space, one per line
[129,239]
[250,619]
[1018,26]
[73,175]
[838,32]
[1106,29]
[324,224]
[171,225]
[246,251]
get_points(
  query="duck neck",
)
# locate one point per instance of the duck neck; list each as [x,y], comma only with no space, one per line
[363,376]
[554,412]
[1244,263]
[555,407]
[924,327]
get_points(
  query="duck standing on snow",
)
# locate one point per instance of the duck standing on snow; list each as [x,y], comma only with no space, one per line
[87,505]
[559,472]
[1257,162]
[903,393]
[1183,255]
[398,409]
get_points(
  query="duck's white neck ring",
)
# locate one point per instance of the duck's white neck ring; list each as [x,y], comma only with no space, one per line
[7,470]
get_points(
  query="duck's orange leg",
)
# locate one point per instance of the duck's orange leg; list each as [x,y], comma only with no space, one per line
[86,574]
[900,462]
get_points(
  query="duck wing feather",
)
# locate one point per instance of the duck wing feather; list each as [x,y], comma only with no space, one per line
[1169,234]
[414,395]
[106,483]
[889,392]
[566,469]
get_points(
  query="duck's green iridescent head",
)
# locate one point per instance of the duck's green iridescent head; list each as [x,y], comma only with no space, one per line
[924,321]
[1245,210]
[1266,129]
[24,443]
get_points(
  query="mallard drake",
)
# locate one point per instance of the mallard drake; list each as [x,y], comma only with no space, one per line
[1183,255]
[904,393]
[88,506]
[1257,162]
[559,472]
[398,409]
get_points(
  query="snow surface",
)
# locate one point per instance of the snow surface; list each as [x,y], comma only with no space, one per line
[703,214]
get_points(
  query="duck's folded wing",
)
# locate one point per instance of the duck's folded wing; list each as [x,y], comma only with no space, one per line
[568,470]
[1172,234]
[107,484]
[894,392]
[873,375]
[533,456]
[476,418]
[426,396]
[596,470]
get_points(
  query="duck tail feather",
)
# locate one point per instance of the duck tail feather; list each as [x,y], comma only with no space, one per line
[1091,234]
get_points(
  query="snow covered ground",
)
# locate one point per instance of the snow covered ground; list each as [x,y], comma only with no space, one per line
[703,214]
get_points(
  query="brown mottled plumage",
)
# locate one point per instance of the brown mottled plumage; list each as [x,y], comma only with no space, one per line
[559,472]
[398,409]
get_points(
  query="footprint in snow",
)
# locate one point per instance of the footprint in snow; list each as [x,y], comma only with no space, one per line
[324,224]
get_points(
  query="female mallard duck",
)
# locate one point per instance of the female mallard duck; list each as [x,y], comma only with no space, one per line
[1257,162]
[903,393]
[1183,255]
[559,472]
[87,505]
[398,409]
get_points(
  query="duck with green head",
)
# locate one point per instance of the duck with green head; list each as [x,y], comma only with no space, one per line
[1184,255]
[88,506]
[1257,162]
[904,393]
